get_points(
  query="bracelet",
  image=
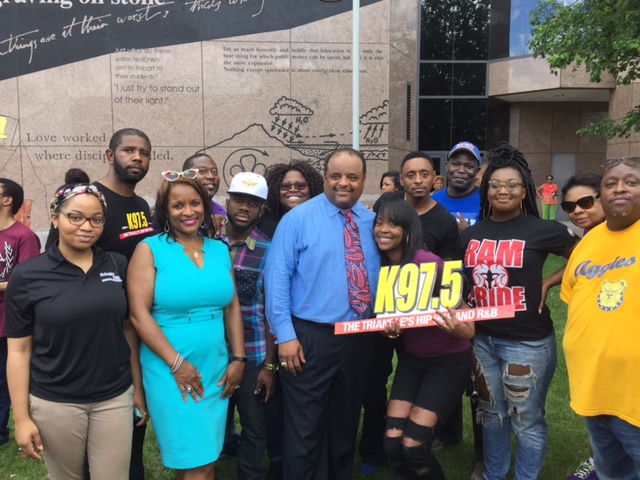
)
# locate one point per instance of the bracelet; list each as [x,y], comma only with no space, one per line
[238,359]
[271,367]
[177,364]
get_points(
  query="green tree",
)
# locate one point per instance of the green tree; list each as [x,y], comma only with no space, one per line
[604,35]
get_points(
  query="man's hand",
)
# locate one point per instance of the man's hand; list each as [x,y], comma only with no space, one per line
[268,379]
[291,356]
[462,222]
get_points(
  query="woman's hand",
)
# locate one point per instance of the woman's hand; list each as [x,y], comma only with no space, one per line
[548,283]
[28,439]
[392,330]
[189,382]
[450,324]
[232,378]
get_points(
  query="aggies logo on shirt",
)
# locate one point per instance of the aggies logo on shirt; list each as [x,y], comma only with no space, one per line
[611,295]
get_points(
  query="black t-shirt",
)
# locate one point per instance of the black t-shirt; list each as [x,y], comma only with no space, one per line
[128,222]
[440,233]
[268,224]
[80,354]
[504,261]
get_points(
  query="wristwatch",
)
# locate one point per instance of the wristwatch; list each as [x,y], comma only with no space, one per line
[238,359]
[272,367]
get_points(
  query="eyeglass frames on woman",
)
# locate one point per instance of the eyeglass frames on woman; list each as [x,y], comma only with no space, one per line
[584,203]
[614,162]
[285,187]
[172,176]
[510,185]
[78,219]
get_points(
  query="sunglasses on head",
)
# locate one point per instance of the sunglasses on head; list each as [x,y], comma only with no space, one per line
[584,203]
[614,162]
[172,176]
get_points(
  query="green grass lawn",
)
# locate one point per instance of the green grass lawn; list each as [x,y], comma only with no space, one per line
[568,440]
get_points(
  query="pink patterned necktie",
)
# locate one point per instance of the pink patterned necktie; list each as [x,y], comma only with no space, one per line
[357,279]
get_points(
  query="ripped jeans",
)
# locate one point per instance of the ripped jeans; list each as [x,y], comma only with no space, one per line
[522,410]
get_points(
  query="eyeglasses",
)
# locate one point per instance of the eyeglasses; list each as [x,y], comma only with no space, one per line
[584,203]
[509,185]
[172,176]
[205,170]
[285,187]
[78,219]
[614,162]
[5,195]
[239,200]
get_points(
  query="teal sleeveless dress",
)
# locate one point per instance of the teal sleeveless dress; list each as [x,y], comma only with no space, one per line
[188,305]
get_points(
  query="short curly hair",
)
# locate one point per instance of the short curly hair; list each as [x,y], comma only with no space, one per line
[275,174]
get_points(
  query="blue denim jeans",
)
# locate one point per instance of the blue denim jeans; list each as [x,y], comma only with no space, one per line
[517,402]
[616,445]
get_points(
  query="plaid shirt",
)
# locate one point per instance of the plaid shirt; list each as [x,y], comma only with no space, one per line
[248,259]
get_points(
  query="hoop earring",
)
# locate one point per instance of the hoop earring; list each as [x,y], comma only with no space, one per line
[203,225]
[167,227]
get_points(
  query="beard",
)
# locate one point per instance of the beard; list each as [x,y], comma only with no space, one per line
[124,176]
[239,228]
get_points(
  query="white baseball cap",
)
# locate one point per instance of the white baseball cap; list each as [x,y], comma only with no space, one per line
[249,183]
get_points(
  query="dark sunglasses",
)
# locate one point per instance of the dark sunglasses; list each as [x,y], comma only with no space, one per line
[285,187]
[584,203]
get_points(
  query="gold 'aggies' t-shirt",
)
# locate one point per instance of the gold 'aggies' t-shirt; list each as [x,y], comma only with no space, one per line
[601,285]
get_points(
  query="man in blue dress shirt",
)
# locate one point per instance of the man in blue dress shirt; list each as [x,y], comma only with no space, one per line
[307,292]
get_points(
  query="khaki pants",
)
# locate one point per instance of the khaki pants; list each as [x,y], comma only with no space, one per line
[70,431]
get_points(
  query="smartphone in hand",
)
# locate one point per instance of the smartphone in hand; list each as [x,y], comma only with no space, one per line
[262,394]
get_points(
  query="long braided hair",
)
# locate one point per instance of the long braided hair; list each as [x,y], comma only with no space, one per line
[507,156]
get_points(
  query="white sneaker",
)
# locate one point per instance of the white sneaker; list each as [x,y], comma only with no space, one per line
[478,471]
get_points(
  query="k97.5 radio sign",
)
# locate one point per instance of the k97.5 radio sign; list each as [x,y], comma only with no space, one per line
[406,296]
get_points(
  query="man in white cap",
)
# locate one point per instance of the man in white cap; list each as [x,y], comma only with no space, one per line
[461,198]
[248,248]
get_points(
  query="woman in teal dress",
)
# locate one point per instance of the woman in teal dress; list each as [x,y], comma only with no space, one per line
[184,306]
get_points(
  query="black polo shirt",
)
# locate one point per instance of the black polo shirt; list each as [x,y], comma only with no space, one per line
[79,354]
